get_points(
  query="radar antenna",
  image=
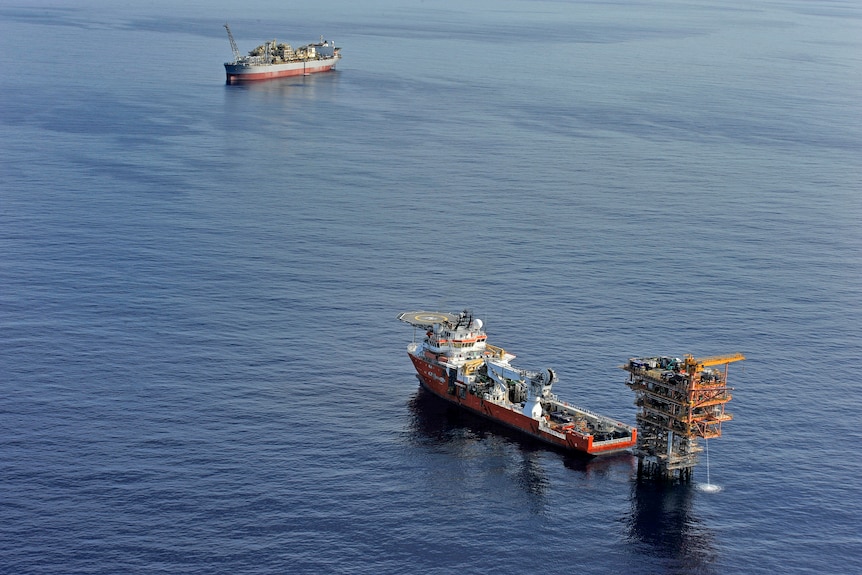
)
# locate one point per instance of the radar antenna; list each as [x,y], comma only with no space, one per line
[236,55]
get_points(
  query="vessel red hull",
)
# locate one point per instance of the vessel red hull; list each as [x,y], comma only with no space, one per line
[251,77]
[434,378]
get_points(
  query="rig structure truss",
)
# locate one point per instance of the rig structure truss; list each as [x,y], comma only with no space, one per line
[679,401]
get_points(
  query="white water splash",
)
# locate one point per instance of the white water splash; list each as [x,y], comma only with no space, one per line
[708,487]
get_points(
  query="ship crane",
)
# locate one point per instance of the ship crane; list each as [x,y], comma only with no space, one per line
[233,46]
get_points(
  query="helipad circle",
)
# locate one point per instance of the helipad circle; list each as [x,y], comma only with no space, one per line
[427,317]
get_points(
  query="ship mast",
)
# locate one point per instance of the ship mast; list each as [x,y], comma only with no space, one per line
[236,54]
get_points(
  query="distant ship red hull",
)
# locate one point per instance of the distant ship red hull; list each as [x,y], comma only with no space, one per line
[237,73]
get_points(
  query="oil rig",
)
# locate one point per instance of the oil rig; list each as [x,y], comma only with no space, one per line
[679,401]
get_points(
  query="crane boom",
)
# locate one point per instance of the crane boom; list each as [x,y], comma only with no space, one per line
[719,359]
[236,54]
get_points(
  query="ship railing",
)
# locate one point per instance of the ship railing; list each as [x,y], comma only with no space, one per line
[588,412]
[613,441]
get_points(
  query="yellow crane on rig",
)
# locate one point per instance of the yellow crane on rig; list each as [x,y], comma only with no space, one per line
[693,364]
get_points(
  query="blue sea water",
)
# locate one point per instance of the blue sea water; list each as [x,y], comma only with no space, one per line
[200,365]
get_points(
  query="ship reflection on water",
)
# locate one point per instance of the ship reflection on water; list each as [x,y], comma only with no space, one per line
[295,89]
[438,424]
[661,522]
[442,428]
[664,525]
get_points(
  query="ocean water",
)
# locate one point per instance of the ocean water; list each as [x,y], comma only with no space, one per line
[200,363]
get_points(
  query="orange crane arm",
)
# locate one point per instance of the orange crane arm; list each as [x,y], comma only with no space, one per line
[695,364]
[719,359]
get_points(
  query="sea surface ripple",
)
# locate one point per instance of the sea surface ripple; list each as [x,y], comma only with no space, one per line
[201,366]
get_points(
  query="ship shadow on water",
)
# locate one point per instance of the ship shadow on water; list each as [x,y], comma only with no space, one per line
[313,85]
[662,523]
[436,422]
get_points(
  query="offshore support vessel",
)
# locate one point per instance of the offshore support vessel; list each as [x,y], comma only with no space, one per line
[275,60]
[454,361]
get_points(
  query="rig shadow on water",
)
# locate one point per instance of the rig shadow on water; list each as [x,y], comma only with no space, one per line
[663,523]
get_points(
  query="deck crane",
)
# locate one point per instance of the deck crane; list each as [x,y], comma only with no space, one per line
[236,54]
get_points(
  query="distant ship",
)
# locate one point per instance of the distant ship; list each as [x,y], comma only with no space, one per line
[274,60]
[454,361]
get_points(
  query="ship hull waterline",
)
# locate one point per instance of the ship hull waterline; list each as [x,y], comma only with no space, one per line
[433,378]
[244,73]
